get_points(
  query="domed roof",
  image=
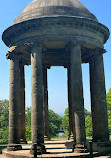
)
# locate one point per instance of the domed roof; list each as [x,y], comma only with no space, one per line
[46,8]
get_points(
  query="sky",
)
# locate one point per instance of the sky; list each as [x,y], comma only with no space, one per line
[57,76]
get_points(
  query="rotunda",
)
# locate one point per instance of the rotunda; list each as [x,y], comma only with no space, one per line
[56,33]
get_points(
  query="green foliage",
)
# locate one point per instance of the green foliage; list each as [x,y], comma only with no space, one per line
[65,123]
[108,97]
[88,123]
[4,113]
[2,147]
[65,135]
[28,123]
[87,113]
[4,117]
[55,122]
[65,120]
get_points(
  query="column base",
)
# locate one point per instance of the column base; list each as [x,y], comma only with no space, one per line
[23,141]
[104,144]
[79,148]
[14,147]
[40,150]
[46,138]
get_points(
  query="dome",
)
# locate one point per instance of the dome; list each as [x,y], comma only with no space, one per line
[50,8]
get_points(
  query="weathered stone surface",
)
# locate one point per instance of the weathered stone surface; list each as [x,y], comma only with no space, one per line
[40,149]
[64,22]
[22,105]
[14,101]
[98,99]
[77,93]
[71,118]
[46,113]
[14,147]
[57,29]
[41,8]
[37,124]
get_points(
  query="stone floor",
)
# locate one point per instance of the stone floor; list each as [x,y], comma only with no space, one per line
[56,148]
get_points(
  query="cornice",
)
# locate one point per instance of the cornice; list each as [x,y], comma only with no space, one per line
[48,22]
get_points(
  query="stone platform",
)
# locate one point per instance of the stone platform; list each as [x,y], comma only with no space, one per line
[56,148]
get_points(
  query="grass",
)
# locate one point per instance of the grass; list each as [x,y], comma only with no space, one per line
[89,137]
[110,137]
[2,147]
[2,141]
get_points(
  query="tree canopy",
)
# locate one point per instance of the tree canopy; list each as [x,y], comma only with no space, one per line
[55,121]
[4,120]
[108,97]
[88,122]
[28,122]
[65,120]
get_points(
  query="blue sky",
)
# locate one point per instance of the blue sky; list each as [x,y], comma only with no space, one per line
[57,76]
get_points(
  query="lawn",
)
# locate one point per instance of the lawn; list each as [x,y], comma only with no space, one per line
[110,137]
[2,147]
[1,144]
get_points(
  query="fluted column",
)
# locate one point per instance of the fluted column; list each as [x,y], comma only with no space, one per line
[22,105]
[37,124]
[77,94]
[71,118]
[46,115]
[98,99]
[14,104]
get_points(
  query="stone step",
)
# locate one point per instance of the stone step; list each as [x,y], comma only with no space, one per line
[55,149]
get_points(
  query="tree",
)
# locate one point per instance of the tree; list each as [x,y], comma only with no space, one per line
[28,123]
[55,122]
[65,120]
[88,122]
[4,117]
[108,98]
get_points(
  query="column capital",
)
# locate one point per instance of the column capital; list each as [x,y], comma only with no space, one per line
[11,55]
[94,57]
[99,51]
[38,46]
[73,43]
[96,53]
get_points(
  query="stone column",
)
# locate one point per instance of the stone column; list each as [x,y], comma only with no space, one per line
[71,120]
[77,96]
[22,105]
[14,104]
[37,123]
[46,115]
[98,99]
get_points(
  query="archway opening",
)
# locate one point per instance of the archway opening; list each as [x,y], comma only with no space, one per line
[87,102]
[28,102]
[57,98]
